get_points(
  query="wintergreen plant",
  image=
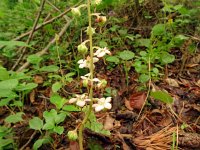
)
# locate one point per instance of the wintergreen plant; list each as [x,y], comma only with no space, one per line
[89,80]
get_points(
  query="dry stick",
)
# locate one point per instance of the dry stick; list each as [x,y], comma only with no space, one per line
[42,52]
[47,22]
[30,139]
[52,5]
[31,34]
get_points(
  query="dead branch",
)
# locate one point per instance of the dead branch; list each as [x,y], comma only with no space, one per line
[31,34]
[44,51]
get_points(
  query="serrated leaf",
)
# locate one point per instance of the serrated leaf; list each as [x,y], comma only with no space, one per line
[36,123]
[162,96]
[14,118]
[56,86]
[126,55]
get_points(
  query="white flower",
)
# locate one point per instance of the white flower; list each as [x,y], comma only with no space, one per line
[87,80]
[86,63]
[80,100]
[101,52]
[102,103]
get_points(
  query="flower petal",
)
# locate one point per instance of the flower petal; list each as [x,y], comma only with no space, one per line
[99,108]
[72,100]
[108,106]
[80,103]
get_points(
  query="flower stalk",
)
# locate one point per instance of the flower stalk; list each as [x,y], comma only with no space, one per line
[89,109]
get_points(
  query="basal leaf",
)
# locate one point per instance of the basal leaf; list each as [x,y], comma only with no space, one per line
[14,118]
[162,96]
[36,123]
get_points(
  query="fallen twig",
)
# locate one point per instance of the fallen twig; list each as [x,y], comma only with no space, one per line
[42,52]
[30,35]
[30,139]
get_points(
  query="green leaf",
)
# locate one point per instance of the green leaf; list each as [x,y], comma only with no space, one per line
[4,75]
[71,108]
[57,101]
[113,59]
[48,126]
[36,123]
[5,101]
[56,86]
[14,118]
[167,58]
[144,42]
[25,87]
[126,55]
[59,129]
[7,86]
[158,29]
[13,43]
[50,116]
[162,96]
[34,59]
[51,68]
[143,78]
[60,117]
[5,142]
[40,142]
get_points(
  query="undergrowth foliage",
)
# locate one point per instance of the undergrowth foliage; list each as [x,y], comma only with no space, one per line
[106,41]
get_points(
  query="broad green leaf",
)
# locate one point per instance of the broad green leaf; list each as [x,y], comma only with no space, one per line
[8,84]
[143,78]
[59,129]
[50,116]
[14,118]
[4,75]
[57,100]
[60,117]
[144,42]
[5,142]
[162,96]
[5,101]
[113,59]
[96,126]
[13,43]
[126,55]
[34,59]
[40,142]
[56,86]
[48,126]
[122,31]
[28,86]
[158,29]
[36,123]
[167,58]
[71,108]
[51,68]
[103,44]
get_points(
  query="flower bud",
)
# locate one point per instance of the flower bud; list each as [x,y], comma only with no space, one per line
[102,84]
[76,12]
[72,135]
[87,30]
[82,49]
[85,83]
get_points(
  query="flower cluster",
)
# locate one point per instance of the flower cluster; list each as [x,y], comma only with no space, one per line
[81,100]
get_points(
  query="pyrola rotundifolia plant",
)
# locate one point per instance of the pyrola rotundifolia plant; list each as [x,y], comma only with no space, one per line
[86,100]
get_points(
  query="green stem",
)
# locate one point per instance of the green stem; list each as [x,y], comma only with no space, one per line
[91,76]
